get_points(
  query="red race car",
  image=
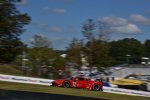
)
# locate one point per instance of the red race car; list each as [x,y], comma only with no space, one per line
[79,82]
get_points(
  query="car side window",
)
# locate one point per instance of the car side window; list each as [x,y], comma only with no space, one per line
[71,78]
[80,79]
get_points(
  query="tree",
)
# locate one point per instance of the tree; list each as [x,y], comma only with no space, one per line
[96,49]
[40,41]
[104,31]
[10,49]
[88,28]
[12,22]
[99,53]
[121,48]
[40,54]
[88,31]
[147,48]
[74,51]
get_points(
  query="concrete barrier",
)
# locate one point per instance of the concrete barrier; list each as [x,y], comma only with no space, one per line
[126,91]
[28,80]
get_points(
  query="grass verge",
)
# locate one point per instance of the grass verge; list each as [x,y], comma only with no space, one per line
[6,69]
[67,91]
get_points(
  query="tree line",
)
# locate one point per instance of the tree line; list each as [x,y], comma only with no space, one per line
[40,58]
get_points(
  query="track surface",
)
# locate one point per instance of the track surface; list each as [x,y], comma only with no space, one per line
[23,95]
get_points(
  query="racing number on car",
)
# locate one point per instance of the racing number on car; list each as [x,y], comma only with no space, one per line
[74,84]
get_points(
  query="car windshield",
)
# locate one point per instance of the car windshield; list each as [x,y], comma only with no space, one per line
[71,78]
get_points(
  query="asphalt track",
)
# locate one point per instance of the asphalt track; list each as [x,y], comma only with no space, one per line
[23,95]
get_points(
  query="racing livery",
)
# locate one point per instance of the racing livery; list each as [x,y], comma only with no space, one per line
[79,82]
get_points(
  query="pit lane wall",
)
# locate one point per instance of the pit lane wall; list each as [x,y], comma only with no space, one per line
[48,82]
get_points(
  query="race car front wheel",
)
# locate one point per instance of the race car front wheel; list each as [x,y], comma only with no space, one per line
[96,87]
[66,85]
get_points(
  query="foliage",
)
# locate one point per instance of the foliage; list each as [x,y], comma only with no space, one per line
[96,49]
[146,46]
[42,59]
[11,26]
[121,48]
[59,63]
[10,49]
[103,31]
[88,28]
[74,51]
[40,56]
[98,54]
[40,41]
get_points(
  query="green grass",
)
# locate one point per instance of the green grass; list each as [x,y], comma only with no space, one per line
[11,70]
[67,91]
[6,69]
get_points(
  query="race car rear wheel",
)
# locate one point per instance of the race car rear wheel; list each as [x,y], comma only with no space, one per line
[66,84]
[96,87]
